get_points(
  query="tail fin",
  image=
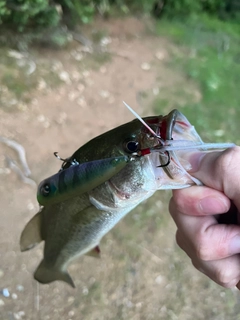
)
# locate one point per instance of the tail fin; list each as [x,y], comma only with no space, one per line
[31,234]
[44,274]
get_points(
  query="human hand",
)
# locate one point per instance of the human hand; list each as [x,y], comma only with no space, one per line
[213,248]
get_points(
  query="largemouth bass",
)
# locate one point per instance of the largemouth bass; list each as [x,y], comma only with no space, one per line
[73,226]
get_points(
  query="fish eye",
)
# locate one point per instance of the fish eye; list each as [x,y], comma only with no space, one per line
[131,146]
[45,189]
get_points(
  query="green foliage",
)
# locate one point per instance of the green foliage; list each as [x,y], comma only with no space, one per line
[78,11]
[183,8]
[209,54]
[23,14]
[4,11]
[138,5]
[214,6]
[27,13]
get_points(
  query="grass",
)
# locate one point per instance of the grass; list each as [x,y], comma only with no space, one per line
[208,54]
[96,60]
[16,84]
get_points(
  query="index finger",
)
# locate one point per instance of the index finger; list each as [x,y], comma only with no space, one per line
[219,170]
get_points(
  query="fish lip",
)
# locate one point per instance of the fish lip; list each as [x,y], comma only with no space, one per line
[116,191]
[163,128]
[168,123]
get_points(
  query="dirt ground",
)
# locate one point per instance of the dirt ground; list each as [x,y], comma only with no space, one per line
[142,274]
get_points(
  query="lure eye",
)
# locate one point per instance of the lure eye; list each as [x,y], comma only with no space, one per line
[45,189]
[131,146]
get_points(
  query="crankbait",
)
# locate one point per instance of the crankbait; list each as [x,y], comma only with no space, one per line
[78,179]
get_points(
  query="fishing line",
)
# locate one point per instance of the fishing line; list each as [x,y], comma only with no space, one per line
[37,299]
[206,146]
[140,119]
[143,122]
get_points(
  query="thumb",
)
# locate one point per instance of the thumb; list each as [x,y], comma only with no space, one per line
[219,170]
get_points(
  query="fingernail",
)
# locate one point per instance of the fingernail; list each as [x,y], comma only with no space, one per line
[213,205]
[234,246]
[195,160]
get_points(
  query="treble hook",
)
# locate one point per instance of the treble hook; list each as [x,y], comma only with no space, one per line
[67,160]
[57,156]
[143,152]
[168,162]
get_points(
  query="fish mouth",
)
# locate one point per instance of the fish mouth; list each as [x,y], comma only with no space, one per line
[165,130]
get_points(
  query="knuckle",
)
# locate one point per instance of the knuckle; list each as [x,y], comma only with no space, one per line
[202,253]
[229,285]
[210,245]
[223,240]
[223,276]
[180,200]
[202,248]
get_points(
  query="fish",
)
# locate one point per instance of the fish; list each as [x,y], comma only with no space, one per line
[74,226]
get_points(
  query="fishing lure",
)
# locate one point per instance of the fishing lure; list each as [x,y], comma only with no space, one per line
[78,179]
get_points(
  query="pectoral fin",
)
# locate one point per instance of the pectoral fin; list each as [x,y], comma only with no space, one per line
[95,252]
[45,274]
[31,234]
